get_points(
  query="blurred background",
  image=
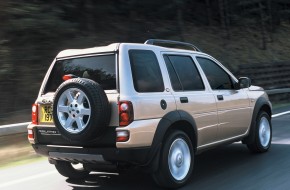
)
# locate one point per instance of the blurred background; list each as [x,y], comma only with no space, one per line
[250,37]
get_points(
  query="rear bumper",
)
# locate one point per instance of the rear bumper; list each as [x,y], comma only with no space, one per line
[134,156]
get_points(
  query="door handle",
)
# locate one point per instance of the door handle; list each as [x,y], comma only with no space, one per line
[183,99]
[220,97]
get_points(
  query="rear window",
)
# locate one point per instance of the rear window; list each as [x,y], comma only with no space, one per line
[98,68]
[146,72]
[183,73]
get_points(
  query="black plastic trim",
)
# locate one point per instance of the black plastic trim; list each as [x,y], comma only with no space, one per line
[262,101]
[135,156]
[50,135]
[165,125]
[220,97]
[183,100]
[160,41]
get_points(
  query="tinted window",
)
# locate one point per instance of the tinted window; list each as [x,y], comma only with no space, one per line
[216,76]
[146,71]
[98,68]
[183,73]
[175,82]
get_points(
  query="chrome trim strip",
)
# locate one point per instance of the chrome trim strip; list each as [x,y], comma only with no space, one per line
[60,146]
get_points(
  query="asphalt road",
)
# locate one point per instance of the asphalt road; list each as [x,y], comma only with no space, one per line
[229,167]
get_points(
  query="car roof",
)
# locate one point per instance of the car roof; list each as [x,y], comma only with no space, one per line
[75,52]
[115,47]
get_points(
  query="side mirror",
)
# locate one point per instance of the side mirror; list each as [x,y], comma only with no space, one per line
[244,82]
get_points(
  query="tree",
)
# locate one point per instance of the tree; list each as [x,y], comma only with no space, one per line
[257,10]
[263,25]
[179,12]
[31,33]
[224,17]
[209,13]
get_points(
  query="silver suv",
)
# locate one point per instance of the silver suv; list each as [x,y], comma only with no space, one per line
[151,106]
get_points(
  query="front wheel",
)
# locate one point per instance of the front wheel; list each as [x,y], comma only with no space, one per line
[176,161]
[73,171]
[263,134]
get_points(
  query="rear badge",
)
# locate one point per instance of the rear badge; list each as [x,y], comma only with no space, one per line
[48,132]
[45,101]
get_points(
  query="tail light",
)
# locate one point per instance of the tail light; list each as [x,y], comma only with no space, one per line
[30,134]
[68,76]
[125,113]
[122,136]
[34,114]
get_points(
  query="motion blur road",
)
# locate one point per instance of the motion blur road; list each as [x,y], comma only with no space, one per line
[229,167]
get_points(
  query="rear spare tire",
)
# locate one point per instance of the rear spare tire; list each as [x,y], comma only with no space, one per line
[81,110]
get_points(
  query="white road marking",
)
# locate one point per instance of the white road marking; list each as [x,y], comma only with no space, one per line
[26,179]
[282,113]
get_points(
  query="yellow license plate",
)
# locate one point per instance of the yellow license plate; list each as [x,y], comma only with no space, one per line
[46,114]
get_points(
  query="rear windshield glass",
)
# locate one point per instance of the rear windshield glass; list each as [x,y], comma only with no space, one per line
[98,68]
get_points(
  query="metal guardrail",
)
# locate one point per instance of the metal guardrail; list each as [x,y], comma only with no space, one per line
[22,127]
[278,91]
[13,128]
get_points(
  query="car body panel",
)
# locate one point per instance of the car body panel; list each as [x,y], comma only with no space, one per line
[234,113]
[213,121]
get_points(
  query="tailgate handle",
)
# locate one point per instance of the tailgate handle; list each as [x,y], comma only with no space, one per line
[183,99]
[220,97]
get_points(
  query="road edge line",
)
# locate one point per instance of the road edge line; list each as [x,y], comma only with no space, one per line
[29,178]
[280,114]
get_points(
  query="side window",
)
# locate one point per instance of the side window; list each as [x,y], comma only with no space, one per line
[175,82]
[183,73]
[216,76]
[146,72]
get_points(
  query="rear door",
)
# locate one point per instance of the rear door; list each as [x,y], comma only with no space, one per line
[192,96]
[233,104]
[98,67]
[149,92]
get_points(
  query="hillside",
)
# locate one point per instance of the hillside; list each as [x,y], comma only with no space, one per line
[33,32]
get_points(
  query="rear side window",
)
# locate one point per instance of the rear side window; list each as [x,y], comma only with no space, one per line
[98,68]
[146,72]
[183,73]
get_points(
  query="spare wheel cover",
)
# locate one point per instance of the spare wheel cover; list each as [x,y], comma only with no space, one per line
[80,110]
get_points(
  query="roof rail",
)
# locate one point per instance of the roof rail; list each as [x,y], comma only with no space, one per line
[172,44]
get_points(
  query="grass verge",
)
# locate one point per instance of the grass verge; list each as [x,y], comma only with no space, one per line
[16,150]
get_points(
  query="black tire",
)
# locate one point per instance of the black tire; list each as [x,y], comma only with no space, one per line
[67,170]
[94,100]
[164,177]
[263,134]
